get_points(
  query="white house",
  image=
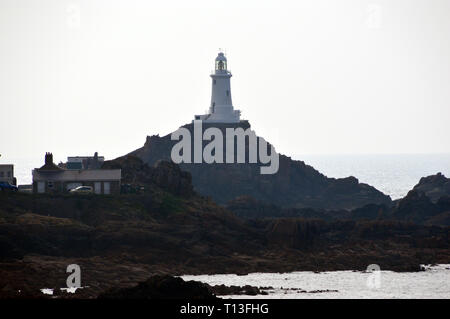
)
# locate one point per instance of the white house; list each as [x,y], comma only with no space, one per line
[52,179]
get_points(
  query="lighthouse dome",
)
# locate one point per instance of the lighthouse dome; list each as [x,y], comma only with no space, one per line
[221,57]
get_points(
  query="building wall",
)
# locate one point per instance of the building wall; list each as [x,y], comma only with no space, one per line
[7,173]
[50,186]
[221,90]
[55,180]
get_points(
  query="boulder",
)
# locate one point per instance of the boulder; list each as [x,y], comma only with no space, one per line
[162,287]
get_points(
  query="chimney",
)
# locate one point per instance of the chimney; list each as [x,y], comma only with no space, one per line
[48,158]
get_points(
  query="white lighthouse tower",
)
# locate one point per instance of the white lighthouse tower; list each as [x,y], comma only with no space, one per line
[221,109]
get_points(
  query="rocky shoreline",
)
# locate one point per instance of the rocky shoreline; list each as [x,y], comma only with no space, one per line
[120,241]
[118,247]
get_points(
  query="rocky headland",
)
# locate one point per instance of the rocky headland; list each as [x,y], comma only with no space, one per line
[296,184]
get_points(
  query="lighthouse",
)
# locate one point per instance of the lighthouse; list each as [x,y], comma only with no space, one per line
[221,109]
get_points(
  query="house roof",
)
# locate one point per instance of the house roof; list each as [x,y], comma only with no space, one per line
[49,167]
[78,175]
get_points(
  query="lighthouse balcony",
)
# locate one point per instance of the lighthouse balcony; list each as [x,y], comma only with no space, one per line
[221,73]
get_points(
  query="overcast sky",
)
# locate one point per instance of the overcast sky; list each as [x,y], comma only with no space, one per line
[313,77]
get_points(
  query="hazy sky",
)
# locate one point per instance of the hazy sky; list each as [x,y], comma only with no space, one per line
[313,77]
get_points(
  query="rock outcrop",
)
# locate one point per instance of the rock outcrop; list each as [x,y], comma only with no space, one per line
[162,174]
[248,207]
[169,287]
[434,186]
[418,208]
[296,184]
[162,287]
[222,290]
[415,207]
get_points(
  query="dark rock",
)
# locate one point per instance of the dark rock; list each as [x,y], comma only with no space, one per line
[222,290]
[434,186]
[163,175]
[294,185]
[162,287]
[415,207]
[170,177]
[321,291]
[248,207]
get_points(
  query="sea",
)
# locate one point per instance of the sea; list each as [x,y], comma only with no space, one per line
[393,174]
[432,283]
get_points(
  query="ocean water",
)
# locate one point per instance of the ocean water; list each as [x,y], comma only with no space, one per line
[432,283]
[394,175]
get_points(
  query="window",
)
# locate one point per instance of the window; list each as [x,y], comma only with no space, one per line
[9,174]
[214,82]
[228,92]
[50,184]
[41,187]
[221,65]
[2,174]
[98,187]
[106,188]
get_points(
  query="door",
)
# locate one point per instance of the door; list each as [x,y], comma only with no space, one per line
[98,187]
[106,188]
[41,187]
